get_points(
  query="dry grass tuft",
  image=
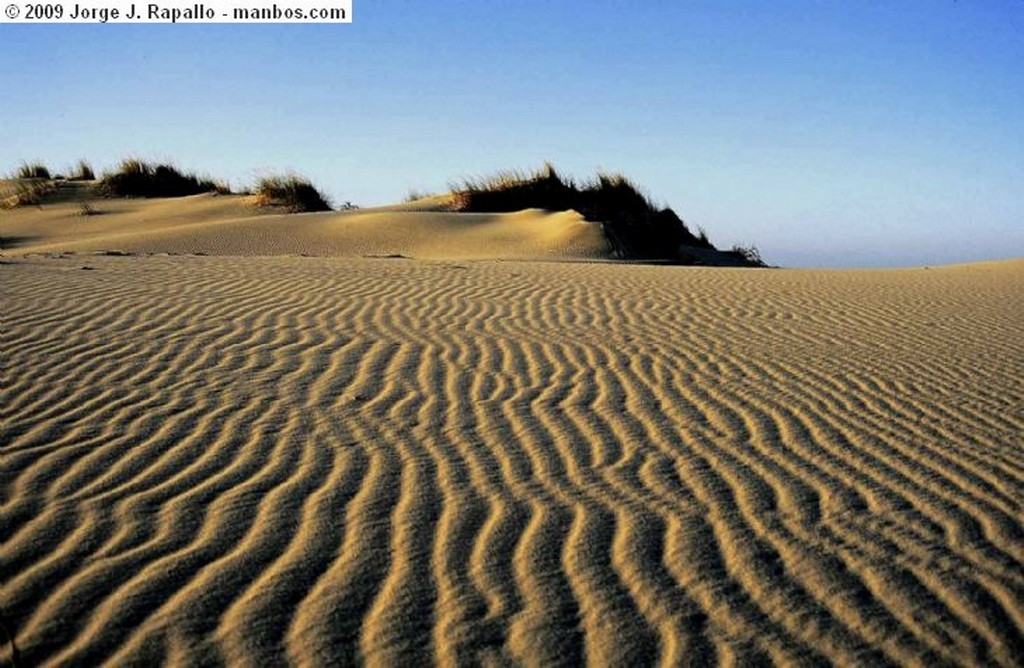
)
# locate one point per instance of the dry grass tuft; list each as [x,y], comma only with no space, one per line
[27,192]
[83,172]
[137,178]
[36,170]
[636,227]
[291,191]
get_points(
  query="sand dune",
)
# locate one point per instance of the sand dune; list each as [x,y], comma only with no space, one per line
[230,225]
[323,461]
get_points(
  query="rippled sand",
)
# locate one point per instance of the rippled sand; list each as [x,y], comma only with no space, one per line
[324,461]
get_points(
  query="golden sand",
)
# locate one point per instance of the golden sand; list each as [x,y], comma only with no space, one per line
[463,460]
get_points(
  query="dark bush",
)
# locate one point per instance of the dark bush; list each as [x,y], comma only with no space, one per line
[34,171]
[293,192]
[634,225]
[135,178]
[83,172]
[749,255]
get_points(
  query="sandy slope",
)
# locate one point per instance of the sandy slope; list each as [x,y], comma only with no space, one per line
[231,225]
[323,460]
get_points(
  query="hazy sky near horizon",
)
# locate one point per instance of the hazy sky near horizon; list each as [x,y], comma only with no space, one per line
[827,133]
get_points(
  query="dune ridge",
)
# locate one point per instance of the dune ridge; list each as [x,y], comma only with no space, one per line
[232,225]
[314,460]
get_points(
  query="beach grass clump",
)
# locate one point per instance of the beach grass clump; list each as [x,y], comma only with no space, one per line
[35,170]
[83,171]
[292,192]
[25,192]
[137,178]
[514,190]
[636,227]
[748,254]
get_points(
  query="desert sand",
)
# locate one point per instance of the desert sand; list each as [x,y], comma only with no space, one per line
[234,437]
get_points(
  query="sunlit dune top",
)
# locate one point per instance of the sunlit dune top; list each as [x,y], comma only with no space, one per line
[232,225]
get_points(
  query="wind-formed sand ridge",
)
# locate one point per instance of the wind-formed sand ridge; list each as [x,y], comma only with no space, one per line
[252,460]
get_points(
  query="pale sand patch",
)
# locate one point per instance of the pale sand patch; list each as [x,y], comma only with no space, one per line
[326,460]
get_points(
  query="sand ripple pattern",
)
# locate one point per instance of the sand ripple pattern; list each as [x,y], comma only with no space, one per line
[262,461]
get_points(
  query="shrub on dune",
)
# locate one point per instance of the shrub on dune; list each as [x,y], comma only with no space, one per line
[28,186]
[748,254]
[515,191]
[32,171]
[83,172]
[292,192]
[136,178]
[635,226]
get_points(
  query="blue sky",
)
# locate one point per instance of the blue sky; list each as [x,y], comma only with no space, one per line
[827,133]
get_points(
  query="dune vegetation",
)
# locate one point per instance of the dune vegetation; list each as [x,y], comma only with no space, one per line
[23,191]
[291,191]
[83,171]
[138,178]
[633,226]
[35,170]
[636,227]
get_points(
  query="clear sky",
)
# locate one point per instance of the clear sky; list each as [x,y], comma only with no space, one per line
[828,133]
